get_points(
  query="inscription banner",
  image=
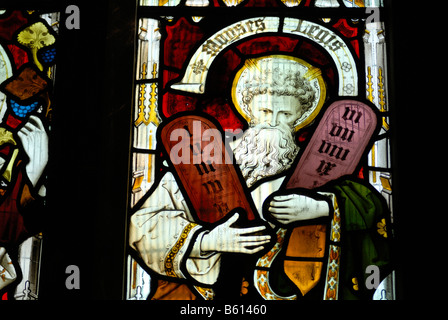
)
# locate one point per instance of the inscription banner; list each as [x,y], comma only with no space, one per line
[197,70]
[335,46]
[196,73]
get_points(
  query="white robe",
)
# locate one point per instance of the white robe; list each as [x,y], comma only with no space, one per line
[163,230]
[7,270]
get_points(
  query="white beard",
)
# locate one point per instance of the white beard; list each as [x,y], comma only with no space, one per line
[265,151]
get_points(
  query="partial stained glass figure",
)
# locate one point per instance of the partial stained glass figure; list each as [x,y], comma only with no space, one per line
[27,69]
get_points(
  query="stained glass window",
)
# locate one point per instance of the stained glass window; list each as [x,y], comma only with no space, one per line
[260,162]
[27,72]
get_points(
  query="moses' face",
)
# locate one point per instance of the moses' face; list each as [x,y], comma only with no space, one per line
[275,110]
